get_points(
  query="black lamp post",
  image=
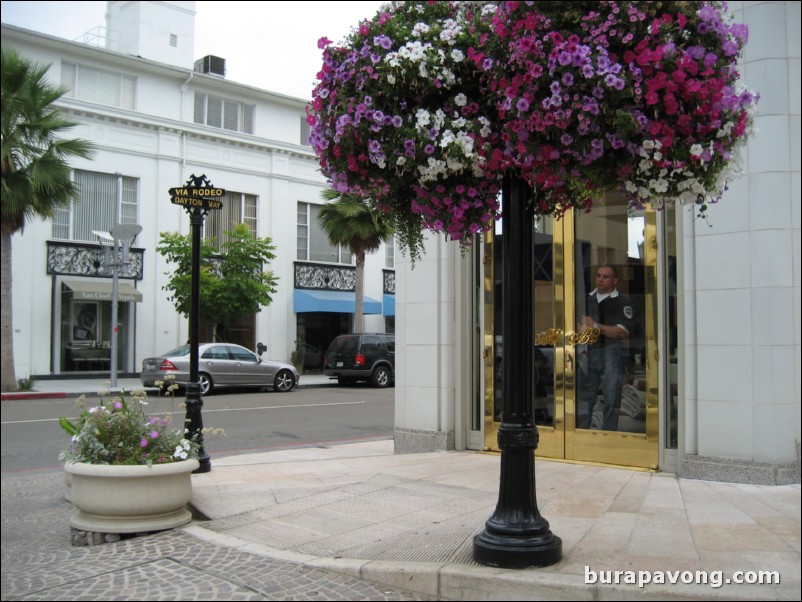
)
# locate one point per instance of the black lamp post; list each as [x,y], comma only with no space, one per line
[198,197]
[516,535]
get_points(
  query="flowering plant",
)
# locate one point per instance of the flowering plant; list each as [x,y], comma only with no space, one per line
[399,117]
[120,432]
[424,108]
[593,95]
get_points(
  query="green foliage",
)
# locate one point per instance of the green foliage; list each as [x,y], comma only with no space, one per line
[232,281]
[349,220]
[26,384]
[36,176]
[297,356]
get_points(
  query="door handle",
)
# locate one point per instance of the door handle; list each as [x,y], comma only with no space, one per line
[569,359]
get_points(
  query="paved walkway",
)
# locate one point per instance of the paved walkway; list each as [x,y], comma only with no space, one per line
[358,522]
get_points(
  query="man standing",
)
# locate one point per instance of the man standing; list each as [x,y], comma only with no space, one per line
[611,314]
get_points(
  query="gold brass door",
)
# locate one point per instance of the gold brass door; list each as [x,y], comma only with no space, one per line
[596,384]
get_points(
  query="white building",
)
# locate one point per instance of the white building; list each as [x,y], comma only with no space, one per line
[158,117]
[713,380]
[713,376]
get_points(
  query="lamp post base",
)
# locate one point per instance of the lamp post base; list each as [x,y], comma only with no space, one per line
[513,551]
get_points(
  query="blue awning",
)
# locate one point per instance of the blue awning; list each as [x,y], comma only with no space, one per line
[340,302]
[389,305]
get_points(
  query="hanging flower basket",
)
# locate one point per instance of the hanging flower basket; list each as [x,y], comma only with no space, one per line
[425,108]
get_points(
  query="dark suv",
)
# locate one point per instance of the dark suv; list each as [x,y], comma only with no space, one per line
[361,357]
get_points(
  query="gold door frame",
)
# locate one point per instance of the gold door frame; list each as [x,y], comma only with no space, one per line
[563,440]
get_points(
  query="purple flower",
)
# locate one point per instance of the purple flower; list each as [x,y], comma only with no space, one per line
[154,434]
[383,41]
[143,443]
[428,149]
[522,105]
[568,79]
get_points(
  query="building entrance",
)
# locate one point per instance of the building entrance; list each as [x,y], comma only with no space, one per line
[596,359]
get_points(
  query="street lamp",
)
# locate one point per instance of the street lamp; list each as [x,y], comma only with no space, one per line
[116,244]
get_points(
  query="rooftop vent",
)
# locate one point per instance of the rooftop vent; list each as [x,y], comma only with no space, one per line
[211,65]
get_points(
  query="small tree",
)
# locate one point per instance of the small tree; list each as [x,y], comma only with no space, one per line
[35,170]
[348,220]
[233,282]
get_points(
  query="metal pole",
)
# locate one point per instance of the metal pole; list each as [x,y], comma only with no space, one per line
[516,535]
[194,400]
[115,291]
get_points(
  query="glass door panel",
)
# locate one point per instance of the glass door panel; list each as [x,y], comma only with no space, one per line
[596,385]
[611,347]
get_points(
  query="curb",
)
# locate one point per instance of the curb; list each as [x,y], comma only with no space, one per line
[31,395]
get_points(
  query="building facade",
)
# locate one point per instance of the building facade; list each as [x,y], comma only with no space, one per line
[712,370]
[158,118]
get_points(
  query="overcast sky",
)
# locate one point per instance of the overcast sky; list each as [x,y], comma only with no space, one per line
[269,45]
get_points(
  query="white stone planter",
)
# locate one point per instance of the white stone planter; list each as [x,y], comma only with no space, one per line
[130,499]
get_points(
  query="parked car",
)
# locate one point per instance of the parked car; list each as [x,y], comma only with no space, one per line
[361,357]
[220,365]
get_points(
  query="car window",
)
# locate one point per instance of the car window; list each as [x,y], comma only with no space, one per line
[217,352]
[178,351]
[241,355]
[345,344]
[371,344]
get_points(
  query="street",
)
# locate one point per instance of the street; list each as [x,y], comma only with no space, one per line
[32,438]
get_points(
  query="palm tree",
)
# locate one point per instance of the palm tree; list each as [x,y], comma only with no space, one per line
[35,174]
[350,221]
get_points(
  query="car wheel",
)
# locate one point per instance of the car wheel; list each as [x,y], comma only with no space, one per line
[206,384]
[380,377]
[284,381]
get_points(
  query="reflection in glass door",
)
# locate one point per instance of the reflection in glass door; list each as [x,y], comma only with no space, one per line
[595,360]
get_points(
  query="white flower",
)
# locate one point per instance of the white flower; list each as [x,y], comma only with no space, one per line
[457,55]
[419,29]
[423,118]
[660,185]
[696,150]
[460,100]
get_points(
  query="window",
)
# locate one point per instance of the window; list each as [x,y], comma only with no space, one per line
[223,113]
[101,87]
[104,201]
[306,131]
[238,208]
[313,244]
[389,253]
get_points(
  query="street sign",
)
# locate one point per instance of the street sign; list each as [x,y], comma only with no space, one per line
[197,196]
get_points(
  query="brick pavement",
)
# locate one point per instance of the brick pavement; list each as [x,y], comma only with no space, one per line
[39,563]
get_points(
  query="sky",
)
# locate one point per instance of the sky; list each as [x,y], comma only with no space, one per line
[268,45]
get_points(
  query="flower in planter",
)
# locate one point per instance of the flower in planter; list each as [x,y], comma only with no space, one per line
[119,431]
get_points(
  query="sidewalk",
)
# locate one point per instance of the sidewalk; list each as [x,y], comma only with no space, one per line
[407,522]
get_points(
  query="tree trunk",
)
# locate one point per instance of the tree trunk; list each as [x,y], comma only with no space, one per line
[8,378]
[359,302]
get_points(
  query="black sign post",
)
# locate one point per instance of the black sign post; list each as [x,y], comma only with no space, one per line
[198,197]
